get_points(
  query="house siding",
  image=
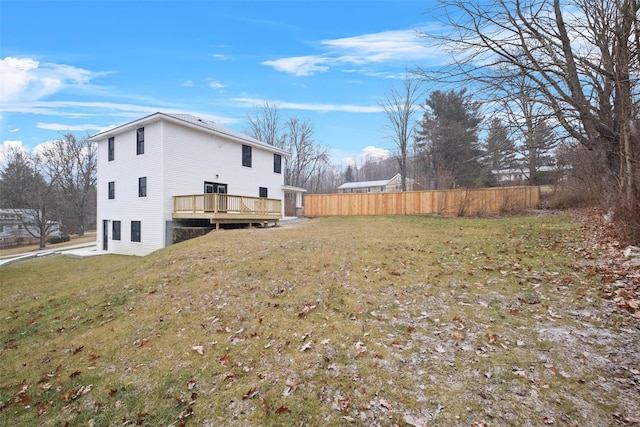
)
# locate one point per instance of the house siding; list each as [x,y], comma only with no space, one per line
[125,170]
[198,156]
[177,160]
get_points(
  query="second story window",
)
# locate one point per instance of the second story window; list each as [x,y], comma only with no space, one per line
[112,190]
[263,191]
[140,141]
[246,156]
[277,163]
[142,187]
[112,148]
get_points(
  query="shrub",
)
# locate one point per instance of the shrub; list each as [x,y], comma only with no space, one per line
[626,223]
[58,239]
[569,195]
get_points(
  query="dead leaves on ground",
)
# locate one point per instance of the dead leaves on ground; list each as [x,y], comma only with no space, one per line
[50,385]
[621,280]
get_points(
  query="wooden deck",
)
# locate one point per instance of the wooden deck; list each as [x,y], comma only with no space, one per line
[227,208]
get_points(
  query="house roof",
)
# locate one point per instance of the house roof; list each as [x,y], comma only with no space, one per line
[524,170]
[364,184]
[293,189]
[190,121]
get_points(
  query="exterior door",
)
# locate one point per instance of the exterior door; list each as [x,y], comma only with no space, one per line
[105,234]
[214,187]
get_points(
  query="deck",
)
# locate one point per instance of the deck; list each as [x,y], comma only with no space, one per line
[227,208]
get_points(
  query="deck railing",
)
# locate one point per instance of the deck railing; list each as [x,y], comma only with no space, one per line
[226,204]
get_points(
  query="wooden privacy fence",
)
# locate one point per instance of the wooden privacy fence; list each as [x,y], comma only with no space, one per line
[447,202]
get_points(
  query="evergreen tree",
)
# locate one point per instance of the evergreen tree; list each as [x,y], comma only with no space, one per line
[500,150]
[348,174]
[448,137]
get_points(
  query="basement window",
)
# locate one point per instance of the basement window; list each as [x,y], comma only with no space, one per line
[136,227]
[115,232]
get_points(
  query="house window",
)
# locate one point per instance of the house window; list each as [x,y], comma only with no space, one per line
[246,156]
[277,163]
[140,141]
[115,234]
[112,190]
[264,192]
[142,187]
[135,231]
[112,148]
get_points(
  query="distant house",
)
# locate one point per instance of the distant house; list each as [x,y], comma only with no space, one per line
[15,225]
[166,171]
[519,175]
[381,186]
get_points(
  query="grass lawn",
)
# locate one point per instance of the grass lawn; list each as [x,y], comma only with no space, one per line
[339,321]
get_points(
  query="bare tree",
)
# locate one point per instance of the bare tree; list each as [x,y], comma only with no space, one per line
[265,124]
[71,164]
[306,158]
[399,108]
[25,188]
[529,119]
[580,62]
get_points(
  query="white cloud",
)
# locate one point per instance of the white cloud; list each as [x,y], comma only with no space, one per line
[220,56]
[379,47]
[374,153]
[323,108]
[214,84]
[300,65]
[8,145]
[12,129]
[404,47]
[67,128]
[39,149]
[188,83]
[25,79]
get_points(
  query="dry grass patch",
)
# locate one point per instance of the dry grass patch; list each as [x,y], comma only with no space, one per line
[370,321]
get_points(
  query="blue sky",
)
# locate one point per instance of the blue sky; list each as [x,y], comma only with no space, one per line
[82,66]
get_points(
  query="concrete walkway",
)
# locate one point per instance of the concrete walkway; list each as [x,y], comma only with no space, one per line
[80,250]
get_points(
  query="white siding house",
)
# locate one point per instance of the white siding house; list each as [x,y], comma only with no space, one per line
[17,227]
[381,186]
[144,165]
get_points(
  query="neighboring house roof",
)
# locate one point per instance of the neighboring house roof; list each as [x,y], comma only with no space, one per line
[191,121]
[294,189]
[523,170]
[365,184]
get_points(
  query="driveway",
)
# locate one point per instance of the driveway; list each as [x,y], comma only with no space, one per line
[81,250]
